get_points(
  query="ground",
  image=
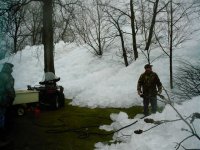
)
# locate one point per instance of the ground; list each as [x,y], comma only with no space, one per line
[69,128]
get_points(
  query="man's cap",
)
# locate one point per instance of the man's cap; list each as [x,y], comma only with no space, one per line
[8,64]
[148,66]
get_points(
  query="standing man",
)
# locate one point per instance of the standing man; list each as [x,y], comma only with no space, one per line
[7,94]
[148,87]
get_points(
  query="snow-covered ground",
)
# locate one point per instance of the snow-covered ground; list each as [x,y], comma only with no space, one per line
[105,82]
[165,136]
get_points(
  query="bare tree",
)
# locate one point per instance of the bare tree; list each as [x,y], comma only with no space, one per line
[116,20]
[153,21]
[16,7]
[33,22]
[93,29]
[177,27]
[171,44]
[128,12]
[143,19]
[187,80]
[64,16]
[146,21]
[133,28]
[13,26]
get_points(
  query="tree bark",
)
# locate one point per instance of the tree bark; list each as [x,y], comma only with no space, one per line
[133,30]
[123,47]
[152,25]
[99,30]
[48,36]
[171,46]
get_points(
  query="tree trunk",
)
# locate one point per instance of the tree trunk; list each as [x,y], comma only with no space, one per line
[15,45]
[15,38]
[48,36]
[143,22]
[123,47]
[133,30]
[99,31]
[153,21]
[171,48]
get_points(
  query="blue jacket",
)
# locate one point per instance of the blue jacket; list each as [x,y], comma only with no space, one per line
[7,92]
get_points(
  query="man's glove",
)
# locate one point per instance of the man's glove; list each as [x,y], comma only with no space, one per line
[140,94]
[162,97]
[160,91]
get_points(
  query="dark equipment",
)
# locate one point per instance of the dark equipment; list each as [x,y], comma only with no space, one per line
[51,95]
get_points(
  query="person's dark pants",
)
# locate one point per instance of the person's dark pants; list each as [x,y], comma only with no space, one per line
[146,101]
[9,119]
[9,115]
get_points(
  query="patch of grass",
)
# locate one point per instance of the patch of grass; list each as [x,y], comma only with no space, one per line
[70,128]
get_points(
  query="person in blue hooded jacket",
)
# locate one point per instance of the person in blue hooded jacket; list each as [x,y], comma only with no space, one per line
[7,93]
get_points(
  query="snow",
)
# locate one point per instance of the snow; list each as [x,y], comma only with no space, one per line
[164,137]
[105,82]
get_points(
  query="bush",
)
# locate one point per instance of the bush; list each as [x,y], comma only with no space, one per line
[187,80]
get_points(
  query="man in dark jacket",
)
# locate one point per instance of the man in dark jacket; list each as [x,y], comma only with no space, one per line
[148,87]
[7,92]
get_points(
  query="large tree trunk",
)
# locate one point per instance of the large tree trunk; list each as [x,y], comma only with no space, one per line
[153,21]
[48,36]
[133,30]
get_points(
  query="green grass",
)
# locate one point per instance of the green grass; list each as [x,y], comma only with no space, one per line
[75,128]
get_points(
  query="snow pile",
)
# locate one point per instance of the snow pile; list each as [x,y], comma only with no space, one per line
[165,136]
[91,81]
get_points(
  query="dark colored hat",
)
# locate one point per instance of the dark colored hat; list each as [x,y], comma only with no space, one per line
[148,66]
[9,65]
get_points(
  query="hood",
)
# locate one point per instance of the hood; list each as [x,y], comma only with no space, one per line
[7,68]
